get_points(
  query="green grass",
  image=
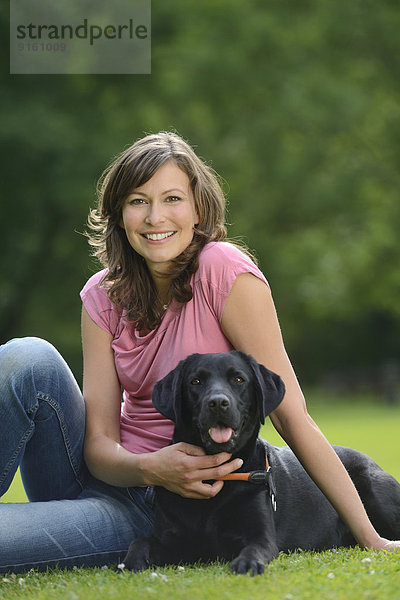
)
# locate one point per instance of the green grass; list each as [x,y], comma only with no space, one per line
[339,575]
[16,492]
[343,574]
[361,423]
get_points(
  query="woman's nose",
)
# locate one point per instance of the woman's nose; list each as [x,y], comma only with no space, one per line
[155,214]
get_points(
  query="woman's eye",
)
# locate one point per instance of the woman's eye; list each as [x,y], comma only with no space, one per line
[136,201]
[195,381]
[173,199]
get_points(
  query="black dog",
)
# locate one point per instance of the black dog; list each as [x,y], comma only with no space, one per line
[218,401]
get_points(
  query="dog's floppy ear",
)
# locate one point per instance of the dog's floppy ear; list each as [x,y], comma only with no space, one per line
[269,387]
[167,393]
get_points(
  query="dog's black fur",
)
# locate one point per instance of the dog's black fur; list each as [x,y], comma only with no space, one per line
[239,523]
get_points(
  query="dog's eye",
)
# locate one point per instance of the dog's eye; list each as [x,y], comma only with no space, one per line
[195,381]
[238,379]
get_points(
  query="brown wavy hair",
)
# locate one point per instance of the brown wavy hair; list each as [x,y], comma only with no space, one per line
[129,283]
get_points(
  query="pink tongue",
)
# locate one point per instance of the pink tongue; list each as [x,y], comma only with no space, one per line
[220,434]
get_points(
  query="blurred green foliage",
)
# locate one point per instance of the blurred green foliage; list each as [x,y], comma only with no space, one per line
[294,102]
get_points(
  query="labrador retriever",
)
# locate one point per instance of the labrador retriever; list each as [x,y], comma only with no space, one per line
[218,402]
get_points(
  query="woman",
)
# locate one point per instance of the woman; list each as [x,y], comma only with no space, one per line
[171,286]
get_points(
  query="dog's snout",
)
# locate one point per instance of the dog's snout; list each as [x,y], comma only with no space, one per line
[219,403]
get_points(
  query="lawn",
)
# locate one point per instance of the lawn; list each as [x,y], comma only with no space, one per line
[361,423]
[337,574]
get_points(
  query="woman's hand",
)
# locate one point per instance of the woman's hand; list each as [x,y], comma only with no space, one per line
[384,544]
[182,468]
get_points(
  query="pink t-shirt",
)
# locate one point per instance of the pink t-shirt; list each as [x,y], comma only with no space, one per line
[141,361]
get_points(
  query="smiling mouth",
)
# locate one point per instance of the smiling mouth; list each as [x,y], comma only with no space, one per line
[155,237]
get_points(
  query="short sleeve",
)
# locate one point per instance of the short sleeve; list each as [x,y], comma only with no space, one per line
[98,305]
[220,264]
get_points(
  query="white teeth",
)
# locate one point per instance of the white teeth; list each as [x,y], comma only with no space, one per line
[158,236]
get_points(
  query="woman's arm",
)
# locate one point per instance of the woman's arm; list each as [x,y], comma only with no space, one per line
[250,322]
[180,468]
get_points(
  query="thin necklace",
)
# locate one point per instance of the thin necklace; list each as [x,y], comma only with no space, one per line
[165,306]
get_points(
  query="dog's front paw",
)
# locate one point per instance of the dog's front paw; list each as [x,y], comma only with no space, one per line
[253,559]
[241,566]
[138,557]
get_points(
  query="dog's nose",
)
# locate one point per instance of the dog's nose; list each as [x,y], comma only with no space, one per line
[219,403]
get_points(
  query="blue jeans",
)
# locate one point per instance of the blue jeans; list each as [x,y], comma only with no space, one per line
[71,518]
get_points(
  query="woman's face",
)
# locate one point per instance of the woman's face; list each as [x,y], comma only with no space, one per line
[158,217]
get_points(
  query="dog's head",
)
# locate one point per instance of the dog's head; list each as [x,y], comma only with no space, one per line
[218,401]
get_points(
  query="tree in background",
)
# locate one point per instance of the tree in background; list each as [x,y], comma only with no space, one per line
[295,104]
